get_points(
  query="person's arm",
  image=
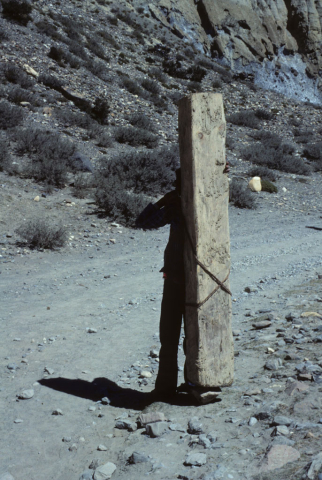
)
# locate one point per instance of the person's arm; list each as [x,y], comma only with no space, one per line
[158,214]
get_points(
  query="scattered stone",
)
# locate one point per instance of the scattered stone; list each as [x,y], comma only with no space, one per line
[280,430]
[18,420]
[315,467]
[311,314]
[252,421]
[73,448]
[48,370]
[30,70]
[102,448]
[67,439]
[112,240]
[305,377]
[37,198]
[154,353]
[250,289]
[145,374]
[273,364]
[104,471]
[152,417]
[86,475]
[281,440]
[138,457]
[281,420]
[296,387]
[255,184]
[94,464]
[91,330]
[196,459]
[57,411]
[12,366]
[124,424]
[279,455]
[195,426]
[204,441]
[26,394]
[174,427]
[156,429]
[262,324]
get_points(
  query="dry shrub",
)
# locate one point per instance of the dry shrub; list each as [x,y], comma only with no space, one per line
[41,234]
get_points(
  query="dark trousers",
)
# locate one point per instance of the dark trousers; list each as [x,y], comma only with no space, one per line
[172,311]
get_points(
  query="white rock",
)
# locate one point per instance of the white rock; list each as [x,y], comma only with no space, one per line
[314,469]
[26,394]
[102,448]
[57,411]
[30,70]
[18,420]
[91,330]
[37,198]
[105,471]
[196,459]
[145,374]
[255,184]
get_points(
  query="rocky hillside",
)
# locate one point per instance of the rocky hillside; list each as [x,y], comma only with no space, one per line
[280,39]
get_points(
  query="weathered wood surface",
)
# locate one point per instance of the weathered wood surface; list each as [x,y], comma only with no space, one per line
[205,196]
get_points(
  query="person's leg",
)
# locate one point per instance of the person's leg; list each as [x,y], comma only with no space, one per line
[172,309]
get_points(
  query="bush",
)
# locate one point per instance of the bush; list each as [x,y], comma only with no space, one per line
[50,81]
[263,172]
[140,120]
[81,185]
[217,83]
[133,87]
[156,73]
[189,52]
[17,95]
[150,85]
[104,140]
[5,158]
[49,29]
[245,118]
[61,56]
[263,114]
[93,44]
[100,110]
[51,155]
[10,116]
[314,152]
[240,195]
[194,87]
[39,234]
[135,137]
[98,69]
[17,10]
[275,158]
[74,118]
[151,173]
[268,186]
[3,34]
[204,62]
[108,37]
[77,49]
[196,73]
[18,76]
[118,203]
[303,136]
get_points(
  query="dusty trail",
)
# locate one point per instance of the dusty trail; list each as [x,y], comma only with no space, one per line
[270,251]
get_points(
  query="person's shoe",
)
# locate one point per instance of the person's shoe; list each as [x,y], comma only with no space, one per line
[205,395]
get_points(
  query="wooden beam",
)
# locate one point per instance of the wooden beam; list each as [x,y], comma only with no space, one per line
[205,196]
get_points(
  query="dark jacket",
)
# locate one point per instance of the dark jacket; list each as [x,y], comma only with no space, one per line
[153,217]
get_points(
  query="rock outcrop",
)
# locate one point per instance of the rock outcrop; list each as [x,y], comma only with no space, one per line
[244,32]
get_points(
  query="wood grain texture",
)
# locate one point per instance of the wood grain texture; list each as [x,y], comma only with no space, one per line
[205,195]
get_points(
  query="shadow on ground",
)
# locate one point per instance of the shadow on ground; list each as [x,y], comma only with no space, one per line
[117,396]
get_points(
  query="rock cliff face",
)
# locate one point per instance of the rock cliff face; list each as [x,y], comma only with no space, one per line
[246,34]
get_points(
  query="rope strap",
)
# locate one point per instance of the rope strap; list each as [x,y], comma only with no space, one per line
[220,284]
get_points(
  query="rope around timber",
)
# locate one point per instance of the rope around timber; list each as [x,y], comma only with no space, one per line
[220,284]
